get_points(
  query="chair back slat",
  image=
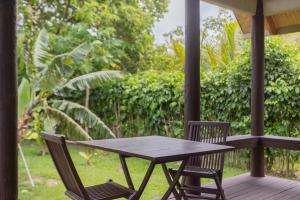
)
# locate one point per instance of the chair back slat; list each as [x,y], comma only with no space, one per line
[64,164]
[208,132]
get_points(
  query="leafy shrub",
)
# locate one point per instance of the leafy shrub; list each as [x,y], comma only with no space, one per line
[145,103]
[151,102]
[226,95]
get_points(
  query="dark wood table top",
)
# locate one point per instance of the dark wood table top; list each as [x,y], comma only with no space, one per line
[155,148]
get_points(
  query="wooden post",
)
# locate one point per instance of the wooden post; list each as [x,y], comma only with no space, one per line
[8,101]
[257,90]
[192,62]
[192,67]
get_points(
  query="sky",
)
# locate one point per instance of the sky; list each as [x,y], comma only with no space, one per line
[176,17]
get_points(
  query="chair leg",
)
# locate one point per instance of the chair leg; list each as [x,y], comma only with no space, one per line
[170,178]
[219,187]
[200,185]
[175,180]
[181,192]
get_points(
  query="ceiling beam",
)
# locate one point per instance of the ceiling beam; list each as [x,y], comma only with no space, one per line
[289,29]
[273,7]
[271,25]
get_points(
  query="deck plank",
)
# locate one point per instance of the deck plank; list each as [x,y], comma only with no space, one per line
[245,187]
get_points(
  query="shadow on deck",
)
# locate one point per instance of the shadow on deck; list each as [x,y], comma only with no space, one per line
[245,187]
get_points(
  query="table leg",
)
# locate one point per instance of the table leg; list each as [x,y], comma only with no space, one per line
[126,172]
[169,179]
[137,195]
[175,180]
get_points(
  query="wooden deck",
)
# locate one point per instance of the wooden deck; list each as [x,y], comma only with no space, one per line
[245,187]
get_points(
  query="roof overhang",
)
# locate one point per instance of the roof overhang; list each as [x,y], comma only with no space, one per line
[281,16]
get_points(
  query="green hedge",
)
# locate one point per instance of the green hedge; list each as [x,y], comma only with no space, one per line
[151,102]
[142,104]
[226,95]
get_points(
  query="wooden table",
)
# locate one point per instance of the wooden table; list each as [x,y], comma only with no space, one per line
[158,150]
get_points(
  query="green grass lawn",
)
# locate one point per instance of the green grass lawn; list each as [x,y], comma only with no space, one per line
[104,166]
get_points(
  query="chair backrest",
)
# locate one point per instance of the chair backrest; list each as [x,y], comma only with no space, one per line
[64,164]
[208,132]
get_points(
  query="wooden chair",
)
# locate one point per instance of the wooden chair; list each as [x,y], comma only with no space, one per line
[206,166]
[66,169]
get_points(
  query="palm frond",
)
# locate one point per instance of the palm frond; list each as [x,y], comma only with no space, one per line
[81,114]
[54,75]
[91,80]
[41,50]
[80,52]
[178,49]
[72,125]
[24,97]
[59,69]
[230,30]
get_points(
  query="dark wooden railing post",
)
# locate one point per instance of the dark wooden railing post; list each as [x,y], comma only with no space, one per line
[192,66]
[8,101]
[257,90]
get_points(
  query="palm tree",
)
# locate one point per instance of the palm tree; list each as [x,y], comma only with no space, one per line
[214,54]
[220,55]
[51,75]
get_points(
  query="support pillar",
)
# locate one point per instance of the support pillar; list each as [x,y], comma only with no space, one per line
[8,101]
[192,67]
[257,89]
[192,62]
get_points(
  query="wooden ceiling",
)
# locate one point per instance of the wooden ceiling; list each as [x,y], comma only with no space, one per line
[282,16]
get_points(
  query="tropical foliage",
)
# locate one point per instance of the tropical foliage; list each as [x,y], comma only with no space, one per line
[220,44]
[142,104]
[123,29]
[50,75]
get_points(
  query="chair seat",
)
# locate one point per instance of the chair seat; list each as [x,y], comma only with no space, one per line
[108,191]
[196,171]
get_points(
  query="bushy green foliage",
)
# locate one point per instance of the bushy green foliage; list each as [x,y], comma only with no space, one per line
[225,95]
[38,109]
[122,29]
[142,104]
